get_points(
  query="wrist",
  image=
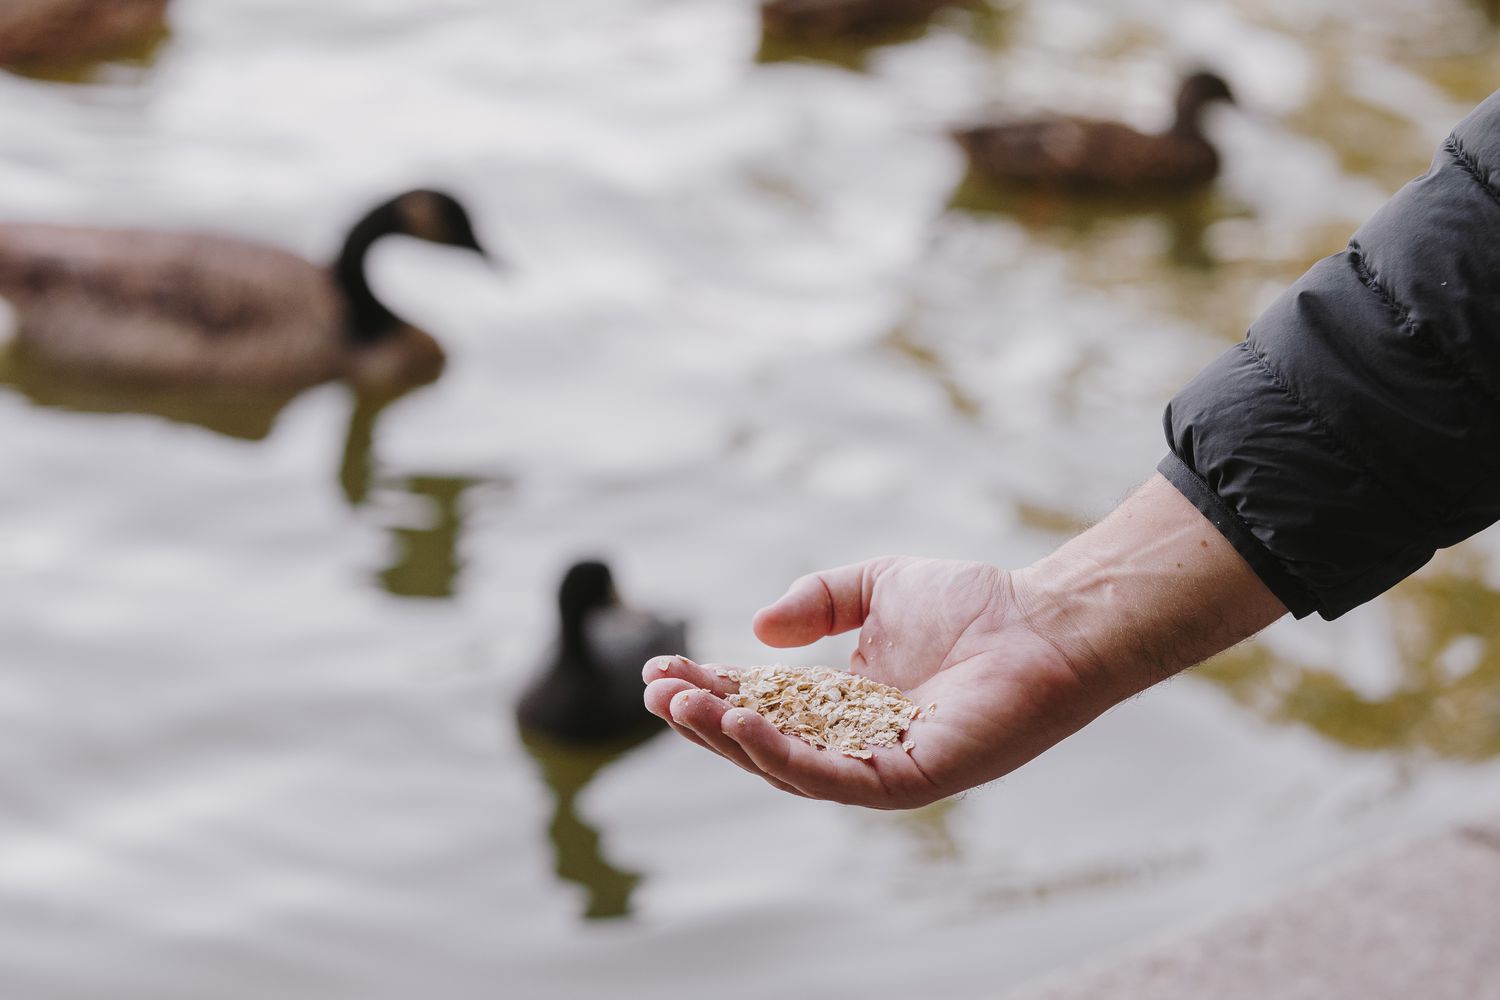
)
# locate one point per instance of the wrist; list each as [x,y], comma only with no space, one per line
[1147,592]
[1067,600]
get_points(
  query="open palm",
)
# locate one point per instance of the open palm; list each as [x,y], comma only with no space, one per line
[952,635]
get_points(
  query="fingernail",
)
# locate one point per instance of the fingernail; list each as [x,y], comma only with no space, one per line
[679,702]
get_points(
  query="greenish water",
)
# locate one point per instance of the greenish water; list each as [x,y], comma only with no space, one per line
[1443,631]
[261,657]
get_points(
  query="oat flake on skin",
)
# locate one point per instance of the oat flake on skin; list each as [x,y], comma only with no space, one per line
[831,709]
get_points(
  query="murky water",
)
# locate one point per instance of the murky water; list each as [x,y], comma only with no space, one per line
[258,666]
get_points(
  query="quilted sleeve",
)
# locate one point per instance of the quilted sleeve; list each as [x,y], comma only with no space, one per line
[1354,431]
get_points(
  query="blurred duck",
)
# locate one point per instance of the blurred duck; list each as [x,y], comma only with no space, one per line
[38,33]
[1102,156]
[590,690]
[826,20]
[162,308]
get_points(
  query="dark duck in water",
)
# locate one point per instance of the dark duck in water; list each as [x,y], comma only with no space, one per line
[189,310]
[589,691]
[1102,157]
[42,34]
[828,20]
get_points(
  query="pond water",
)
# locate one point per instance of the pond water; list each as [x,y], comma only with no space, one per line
[259,667]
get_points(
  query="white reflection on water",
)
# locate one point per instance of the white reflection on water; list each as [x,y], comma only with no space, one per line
[749,331]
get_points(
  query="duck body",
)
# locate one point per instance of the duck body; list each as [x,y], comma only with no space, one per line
[163,308]
[826,20]
[1088,155]
[36,33]
[588,691]
[157,308]
[1084,154]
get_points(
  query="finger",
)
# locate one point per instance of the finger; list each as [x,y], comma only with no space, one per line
[658,697]
[703,714]
[713,677]
[820,774]
[819,604]
[688,676]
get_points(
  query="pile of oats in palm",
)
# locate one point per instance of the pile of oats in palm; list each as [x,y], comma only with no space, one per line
[831,709]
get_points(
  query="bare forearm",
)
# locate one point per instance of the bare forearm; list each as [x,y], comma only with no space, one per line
[1150,590]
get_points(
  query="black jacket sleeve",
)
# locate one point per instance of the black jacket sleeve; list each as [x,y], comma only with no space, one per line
[1356,429]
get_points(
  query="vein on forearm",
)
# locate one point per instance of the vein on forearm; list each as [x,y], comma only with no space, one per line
[1150,590]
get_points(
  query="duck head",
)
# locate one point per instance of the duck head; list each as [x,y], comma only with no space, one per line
[422,213]
[587,586]
[436,217]
[1199,90]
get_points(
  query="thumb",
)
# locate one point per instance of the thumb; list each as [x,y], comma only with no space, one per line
[819,604]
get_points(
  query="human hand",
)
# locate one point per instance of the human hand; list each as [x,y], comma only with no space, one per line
[950,634]
[1013,662]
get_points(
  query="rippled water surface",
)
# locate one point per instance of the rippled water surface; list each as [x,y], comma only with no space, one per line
[259,666]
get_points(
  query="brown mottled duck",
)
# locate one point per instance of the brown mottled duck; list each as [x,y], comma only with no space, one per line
[47,33]
[208,312]
[1102,157]
[827,20]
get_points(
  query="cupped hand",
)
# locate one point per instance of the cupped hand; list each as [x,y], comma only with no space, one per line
[952,635]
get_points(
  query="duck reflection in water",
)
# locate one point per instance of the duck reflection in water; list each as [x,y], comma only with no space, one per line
[577,846]
[1079,224]
[584,710]
[426,561]
[245,416]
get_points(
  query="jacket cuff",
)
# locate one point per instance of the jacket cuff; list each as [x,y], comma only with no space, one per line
[1198,493]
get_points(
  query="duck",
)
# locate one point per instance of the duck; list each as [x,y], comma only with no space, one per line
[588,690]
[828,20]
[49,33]
[1104,157]
[164,308]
